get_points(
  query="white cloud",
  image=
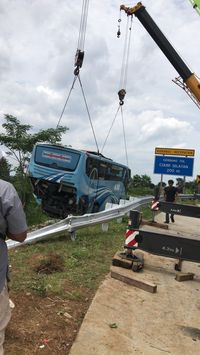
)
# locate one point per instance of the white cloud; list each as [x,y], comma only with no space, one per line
[156,127]
[38,42]
[47,91]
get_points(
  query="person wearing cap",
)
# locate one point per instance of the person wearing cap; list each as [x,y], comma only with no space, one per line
[170,195]
[13,226]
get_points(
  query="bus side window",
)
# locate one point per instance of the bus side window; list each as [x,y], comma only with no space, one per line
[92,168]
[102,170]
[126,177]
[108,173]
[116,173]
[89,166]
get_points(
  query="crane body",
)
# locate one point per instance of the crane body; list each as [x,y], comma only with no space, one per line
[190,83]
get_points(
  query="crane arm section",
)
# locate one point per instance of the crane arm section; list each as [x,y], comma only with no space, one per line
[189,78]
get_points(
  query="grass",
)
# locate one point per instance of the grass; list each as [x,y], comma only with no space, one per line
[85,261]
[67,268]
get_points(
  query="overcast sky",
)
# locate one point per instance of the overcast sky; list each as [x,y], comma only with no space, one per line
[38,41]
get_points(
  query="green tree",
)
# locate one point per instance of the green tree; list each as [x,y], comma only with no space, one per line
[146,181]
[141,181]
[5,169]
[180,185]
[19,142]
[140,185]
[136,181]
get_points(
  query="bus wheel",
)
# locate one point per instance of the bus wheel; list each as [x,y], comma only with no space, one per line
[95,208]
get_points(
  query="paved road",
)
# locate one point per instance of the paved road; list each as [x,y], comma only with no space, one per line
[165,322]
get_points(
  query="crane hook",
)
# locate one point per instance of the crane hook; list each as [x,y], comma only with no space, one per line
[78,61]
[121,94]
[119,31]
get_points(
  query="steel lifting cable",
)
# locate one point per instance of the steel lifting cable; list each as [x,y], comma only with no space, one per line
[110,129]
[87,109]
[83,24]
[81,40]
[124,71]
[63,110]
[86,105]
[79,58]
[79,53]
[124,135]
[125,58]
[78,63]
[128,52]
[123,76]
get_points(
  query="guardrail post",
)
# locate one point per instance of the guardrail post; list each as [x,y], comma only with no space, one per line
[73,236]
[134,219]
[154,208]
[132,231]
[131,241]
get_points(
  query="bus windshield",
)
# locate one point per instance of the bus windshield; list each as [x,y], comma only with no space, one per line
[56,158]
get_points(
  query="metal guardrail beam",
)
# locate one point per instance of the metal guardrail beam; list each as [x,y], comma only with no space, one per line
[73,223]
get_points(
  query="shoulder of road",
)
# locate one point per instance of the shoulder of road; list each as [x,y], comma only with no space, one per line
[123,319]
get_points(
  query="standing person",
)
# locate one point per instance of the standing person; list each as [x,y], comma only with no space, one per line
[170,194]
[13,226]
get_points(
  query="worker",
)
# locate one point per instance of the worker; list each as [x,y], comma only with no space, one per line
[170,195]
[13,226]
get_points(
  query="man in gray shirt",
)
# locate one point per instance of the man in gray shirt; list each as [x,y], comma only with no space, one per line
[13,226]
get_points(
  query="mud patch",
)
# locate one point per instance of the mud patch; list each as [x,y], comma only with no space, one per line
[48,264]
[194,333]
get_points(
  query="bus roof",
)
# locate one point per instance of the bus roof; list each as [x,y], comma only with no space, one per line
[88,152]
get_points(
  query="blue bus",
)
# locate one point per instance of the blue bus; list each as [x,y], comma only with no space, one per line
[69,181]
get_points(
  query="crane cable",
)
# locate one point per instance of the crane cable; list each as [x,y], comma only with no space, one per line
[83,25]
[124,135]
[124,71]
[81,39]
[79,56]
[63,110]
[110,129]
[125,58]
[87,109]
[123,78]
[78,64]
[80,51]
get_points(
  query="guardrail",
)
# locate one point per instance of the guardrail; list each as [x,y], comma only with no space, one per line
[73,223]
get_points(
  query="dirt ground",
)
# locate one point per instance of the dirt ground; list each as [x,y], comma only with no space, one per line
[43,325]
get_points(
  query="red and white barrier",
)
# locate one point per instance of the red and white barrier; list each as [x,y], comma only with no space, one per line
[130,238]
